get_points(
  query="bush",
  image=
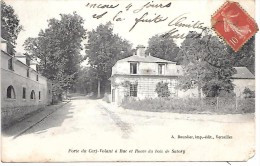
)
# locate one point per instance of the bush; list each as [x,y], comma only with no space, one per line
[246,105]
[249,93]
[226,94]
[107,98]
[162,89]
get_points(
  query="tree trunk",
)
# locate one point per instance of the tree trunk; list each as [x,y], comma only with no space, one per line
[98,93]
[199,91]
[200,101]
[107,87]
[66,94]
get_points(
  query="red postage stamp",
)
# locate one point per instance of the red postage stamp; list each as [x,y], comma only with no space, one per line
[234,24]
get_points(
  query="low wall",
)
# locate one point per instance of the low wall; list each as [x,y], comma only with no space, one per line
[13,109]
[12,114]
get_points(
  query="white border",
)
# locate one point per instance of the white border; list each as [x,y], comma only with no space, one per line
[252,162]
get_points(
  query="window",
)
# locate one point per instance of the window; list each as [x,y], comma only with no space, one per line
[161,69]
[37,78]
[32,94]
[28,72]
[193,84]
[10,64]
[133,90]
[39,95]
[10,92]
[174,83]
[24,93]
[133,68]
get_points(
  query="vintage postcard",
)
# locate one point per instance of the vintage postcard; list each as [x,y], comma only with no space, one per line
[127,80]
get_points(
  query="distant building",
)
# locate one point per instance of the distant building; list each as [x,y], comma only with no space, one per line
[243,79]
[23,89]
[138,75]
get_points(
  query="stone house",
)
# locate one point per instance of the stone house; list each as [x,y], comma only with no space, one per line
[142,72]
[138,75]
[23,89]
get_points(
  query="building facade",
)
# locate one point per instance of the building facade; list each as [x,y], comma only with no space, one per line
[23,89]
[138,75]
[243,79]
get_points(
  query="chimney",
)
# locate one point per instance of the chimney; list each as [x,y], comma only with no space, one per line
[140,49]
[24,58]
[34,63]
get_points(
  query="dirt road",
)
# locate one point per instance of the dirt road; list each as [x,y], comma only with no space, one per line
[86,129]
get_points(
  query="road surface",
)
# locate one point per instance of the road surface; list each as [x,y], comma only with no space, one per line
[92,130]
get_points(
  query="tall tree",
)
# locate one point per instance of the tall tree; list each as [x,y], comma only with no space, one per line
[84,81]
[104,48]
[10,23]
[218,83]
[205,65]
[245,56]
[59,48]
[163,47]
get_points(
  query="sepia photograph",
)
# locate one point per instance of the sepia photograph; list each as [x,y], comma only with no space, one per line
[128,80]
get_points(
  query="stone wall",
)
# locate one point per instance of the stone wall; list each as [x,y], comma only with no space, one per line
[17,107]
[12,114]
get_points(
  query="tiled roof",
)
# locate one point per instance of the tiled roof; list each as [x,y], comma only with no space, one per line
[148,58]
[243,72]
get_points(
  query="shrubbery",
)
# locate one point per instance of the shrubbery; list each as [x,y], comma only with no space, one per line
[249,93]
[162,105]
[162,89]
[107,97]
[219,105]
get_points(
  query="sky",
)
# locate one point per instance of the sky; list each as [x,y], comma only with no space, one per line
[33,15]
